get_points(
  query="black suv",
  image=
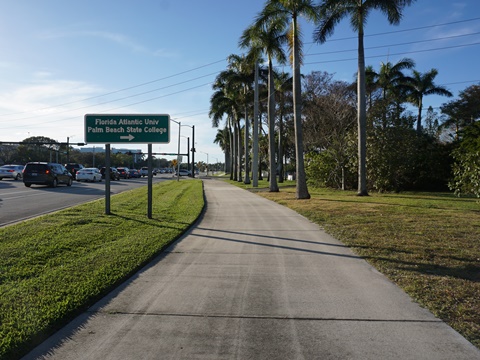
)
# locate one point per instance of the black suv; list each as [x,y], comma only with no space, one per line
[44,173]
[114,174]
[73,168]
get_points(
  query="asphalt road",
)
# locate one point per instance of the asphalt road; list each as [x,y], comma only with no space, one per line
[18,202]
[255,280]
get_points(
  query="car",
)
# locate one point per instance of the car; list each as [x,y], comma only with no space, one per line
[89,174]
[183,172]
[114,175]
[11,171]
[46,173]
[134,173]
[144,171]
[124,173]
[73,168]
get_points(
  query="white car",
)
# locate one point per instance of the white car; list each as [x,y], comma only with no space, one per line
[11,171]
[89,174]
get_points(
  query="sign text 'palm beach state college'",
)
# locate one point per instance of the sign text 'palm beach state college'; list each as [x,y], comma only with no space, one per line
[127,128]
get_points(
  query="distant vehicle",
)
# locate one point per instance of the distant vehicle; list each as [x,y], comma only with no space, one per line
[134,173]
[144,171]
[73,168]
[114,175]
[43,173]
[89,174]
[124,173]
[11,172]
[183,172]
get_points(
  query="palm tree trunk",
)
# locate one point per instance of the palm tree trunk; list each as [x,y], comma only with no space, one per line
[280,148]
[247,159]
[301,188]
[235,152]
[255,130]
[239,151]
[362,119]
[271,130]
[419,117]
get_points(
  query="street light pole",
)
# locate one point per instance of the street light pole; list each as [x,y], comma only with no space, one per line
[178,149]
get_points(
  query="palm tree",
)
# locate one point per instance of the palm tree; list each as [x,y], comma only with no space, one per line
[421,85]
[287,12]
[225,102]
[393,84]
[222,138]
[332,12]
[268,37]
[283,89]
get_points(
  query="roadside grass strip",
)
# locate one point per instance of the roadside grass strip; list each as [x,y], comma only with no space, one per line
[55,266]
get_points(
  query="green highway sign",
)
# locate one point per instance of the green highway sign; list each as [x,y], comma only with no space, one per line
[127,128]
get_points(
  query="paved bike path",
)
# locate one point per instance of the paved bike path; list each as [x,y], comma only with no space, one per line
[255,280]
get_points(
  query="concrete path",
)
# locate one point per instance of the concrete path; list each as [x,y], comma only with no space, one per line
[255,280]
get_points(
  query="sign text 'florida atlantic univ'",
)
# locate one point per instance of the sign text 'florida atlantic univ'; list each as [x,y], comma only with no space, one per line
[127,128]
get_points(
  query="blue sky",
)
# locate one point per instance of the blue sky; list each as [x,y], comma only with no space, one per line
[63,59]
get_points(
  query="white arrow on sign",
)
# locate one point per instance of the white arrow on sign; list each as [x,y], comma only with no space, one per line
[130,137]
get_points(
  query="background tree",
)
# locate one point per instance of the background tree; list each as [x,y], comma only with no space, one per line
[329,123]
[466,168]
[421,85]
[332,12]
[462,112]
[223,140]
[39,148]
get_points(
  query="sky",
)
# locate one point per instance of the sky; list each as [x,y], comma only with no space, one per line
[60,60]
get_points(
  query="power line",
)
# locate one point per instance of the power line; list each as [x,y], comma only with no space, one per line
[395,54]
[222,60]
[392,45]
[120,90]
[400,31]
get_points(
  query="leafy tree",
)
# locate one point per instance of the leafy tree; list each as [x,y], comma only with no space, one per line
[329,120]
[332,12]
[466,168]
[38,148]
[462,112]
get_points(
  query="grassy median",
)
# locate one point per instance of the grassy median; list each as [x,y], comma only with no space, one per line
[57,265]
[427,243]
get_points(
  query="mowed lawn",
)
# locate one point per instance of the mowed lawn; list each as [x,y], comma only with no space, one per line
[57,265]
[427,243]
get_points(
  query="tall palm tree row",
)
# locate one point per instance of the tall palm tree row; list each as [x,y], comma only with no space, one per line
[285,15]
[268,37]
[331,13]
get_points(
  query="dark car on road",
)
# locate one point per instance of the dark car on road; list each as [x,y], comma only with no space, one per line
[114,175]
[73,168]
[46,173]
[134,173]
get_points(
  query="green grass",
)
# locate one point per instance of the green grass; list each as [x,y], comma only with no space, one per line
[427,243]
[55,266]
